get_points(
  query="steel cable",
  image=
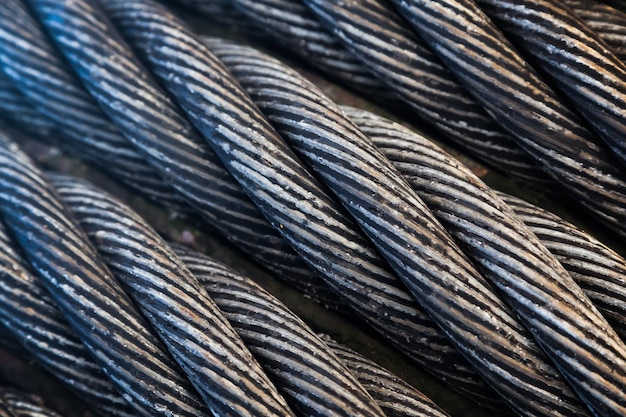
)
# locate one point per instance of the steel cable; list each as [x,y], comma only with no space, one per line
[380,38]
[479,55]
[29,59]
[560,316]
[32,317]
[304,368]
[598,269]
[26,405]
[574,60]
[154,124]
[190,324]
[104,318]
[408,235]
[395,396]
[283,189]
[606,21]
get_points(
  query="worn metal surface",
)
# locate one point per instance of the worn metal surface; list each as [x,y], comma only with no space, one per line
[87,293]
[307,372]
[196,333]
[522,103]
[573,58]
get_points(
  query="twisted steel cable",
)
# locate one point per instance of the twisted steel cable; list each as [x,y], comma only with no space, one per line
[306,371]
[154,124]
[477,53]
[26,405]
[198,335]
[598,269]
[380,38]
[33,318]
[396,397]
[574,59]
[606,21]
[293,25]
[420,251]
[560,316]
[284,190]
[104,318]
[29,59]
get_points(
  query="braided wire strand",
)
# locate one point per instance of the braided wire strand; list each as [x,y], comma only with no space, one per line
[396,397]
[154,124]
[282,188]
[560,316]
[29,59]
[102,315]
[598,269]
[293,25]
[26,405]
[32,317]
[415,244]
[302,366]
[385,43]
[191,325]
[479,55]
[575,60]
[606,21]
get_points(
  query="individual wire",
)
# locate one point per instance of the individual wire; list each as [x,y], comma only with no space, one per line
[385,43]
[30,61]
[104,318]
[606,21]
[599,270]
[292,25]
[421,252]
[530,111]
[396,397]
[26,405]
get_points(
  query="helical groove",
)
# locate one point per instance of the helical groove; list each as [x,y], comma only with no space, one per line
[26,405]
[153,123]
[87,294]
[485,62]
[606,21]
[293,25]
[310,376]
[20,114]
[190,324]
[283,189]
[557,311]
[410,238]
